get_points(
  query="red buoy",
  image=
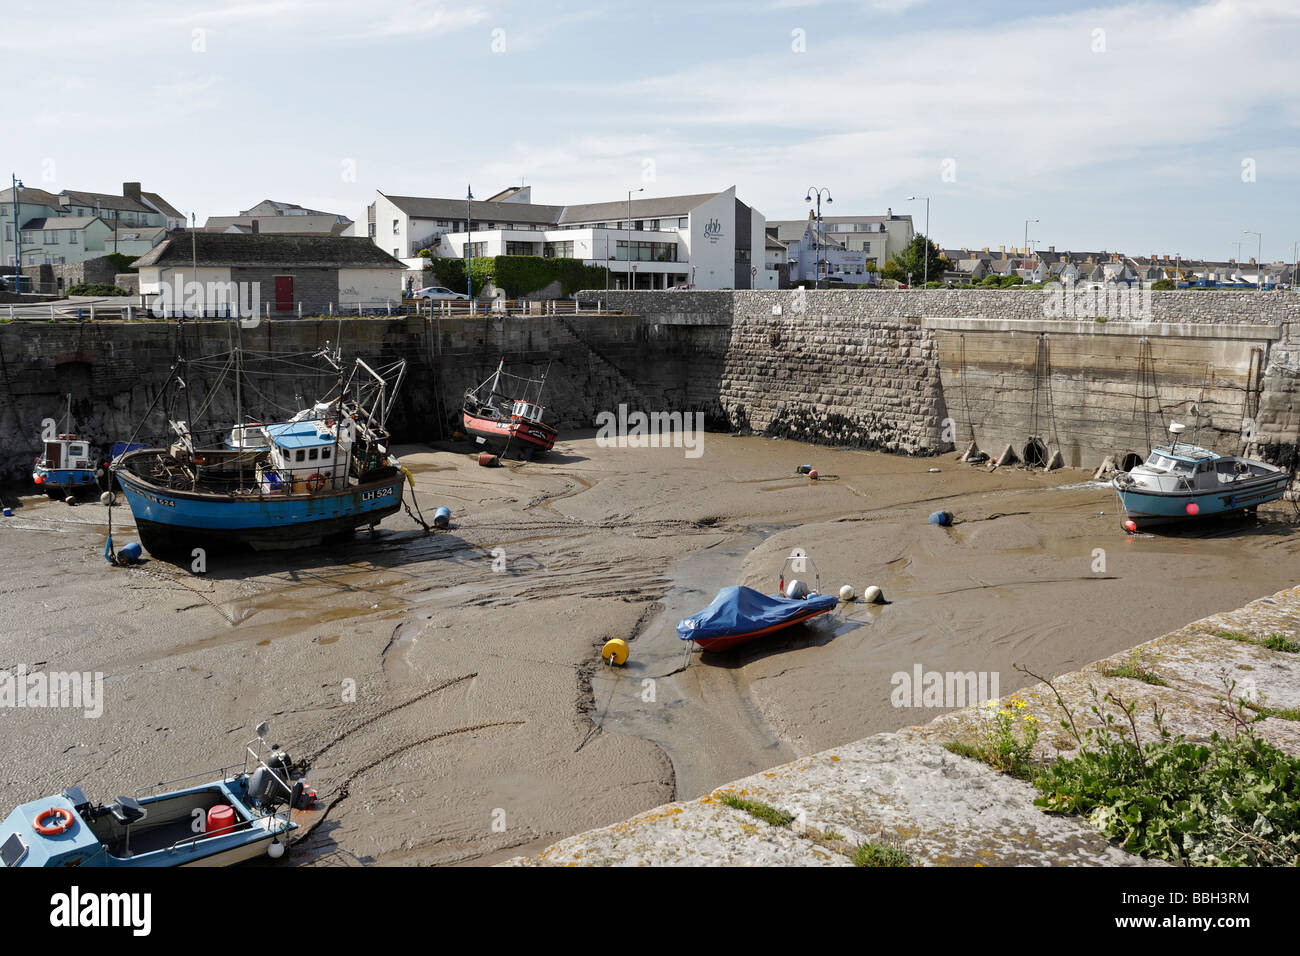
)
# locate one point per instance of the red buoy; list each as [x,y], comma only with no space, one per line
[221,819]
[1193,508]
[1131,525]
[488,460]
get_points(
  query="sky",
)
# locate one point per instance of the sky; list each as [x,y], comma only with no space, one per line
[1139,127]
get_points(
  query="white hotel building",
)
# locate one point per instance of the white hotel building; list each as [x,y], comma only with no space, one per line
[707,241]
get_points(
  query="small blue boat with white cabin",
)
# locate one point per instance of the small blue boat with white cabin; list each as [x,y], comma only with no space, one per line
[226,819]
[67,464]
[279,486]
[1182,482]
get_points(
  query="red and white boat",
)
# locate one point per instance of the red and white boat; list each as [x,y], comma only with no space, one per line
[503,423]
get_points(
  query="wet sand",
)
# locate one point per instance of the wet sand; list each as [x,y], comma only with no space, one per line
[594,543]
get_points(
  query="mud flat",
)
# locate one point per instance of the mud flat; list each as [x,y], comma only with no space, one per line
[543,562]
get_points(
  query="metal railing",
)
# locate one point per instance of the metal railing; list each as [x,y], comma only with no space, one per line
[375,308]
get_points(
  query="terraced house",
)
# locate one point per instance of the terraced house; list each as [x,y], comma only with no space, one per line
[74,225]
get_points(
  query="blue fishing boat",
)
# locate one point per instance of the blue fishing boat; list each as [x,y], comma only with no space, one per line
[279,486]
[741,614]
[227,818]
[1183,482]
[67,464]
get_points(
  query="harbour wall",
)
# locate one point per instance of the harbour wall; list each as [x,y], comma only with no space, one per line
[915,373]
[1093,377]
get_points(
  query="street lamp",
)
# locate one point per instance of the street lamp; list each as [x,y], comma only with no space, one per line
[817,191]
[1027,222]
[1259,257]
[18,236]
[639,189]
[926,280]
[469,241]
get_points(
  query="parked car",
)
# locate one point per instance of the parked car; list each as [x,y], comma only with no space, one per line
[437,292]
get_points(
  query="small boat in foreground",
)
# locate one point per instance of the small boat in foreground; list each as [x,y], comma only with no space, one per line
[741,614]
[499,421]
[219,822]
[1182,482]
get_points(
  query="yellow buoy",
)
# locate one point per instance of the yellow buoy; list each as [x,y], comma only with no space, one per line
[615,651]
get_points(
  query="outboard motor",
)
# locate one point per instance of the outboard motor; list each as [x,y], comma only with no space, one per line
[264,790]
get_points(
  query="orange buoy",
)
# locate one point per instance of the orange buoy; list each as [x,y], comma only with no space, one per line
[488,460]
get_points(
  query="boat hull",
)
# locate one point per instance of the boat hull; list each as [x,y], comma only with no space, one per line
[176,521]
[497,434]
[1151,508]
[734,640]
[65,479]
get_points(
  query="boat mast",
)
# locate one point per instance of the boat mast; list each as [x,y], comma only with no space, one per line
[496,379]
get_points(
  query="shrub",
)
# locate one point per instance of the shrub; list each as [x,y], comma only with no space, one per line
[95,288]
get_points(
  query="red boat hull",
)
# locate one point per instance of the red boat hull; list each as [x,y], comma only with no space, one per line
[731,640]
[495,432]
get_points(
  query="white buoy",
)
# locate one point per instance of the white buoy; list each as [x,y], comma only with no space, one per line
[934,471]
[275,850]
[846,593]
[873,595]
[70,500]
[106,498]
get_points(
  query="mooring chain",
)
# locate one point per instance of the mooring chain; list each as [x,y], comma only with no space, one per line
[341,791]
[306,762]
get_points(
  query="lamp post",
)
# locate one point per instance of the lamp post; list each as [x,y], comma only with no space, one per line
[1259,256]
[18,235]
[926,280]
[469,242]
[817,191]
[639,189]
[1027,222]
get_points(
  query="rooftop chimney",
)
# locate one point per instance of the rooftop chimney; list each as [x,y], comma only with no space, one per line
[254,227]
[131,191]
[1002,251]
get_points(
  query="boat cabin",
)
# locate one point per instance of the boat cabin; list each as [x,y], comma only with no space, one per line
[66,451]
[1184,467]
[306,456]
[526,411]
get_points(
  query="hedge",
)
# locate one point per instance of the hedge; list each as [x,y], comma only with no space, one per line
[517,275]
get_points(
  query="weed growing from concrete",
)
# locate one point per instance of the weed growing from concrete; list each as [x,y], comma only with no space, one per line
[1008,744]
[880,854]
[761,811]
[1137,668]
[1234,800]
[1274,642]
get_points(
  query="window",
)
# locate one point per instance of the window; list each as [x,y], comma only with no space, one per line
[300,455]
[397,254]
[325,454]
[313,454]
[72,236]
[521,249]
[396,231]
[683,222]
[559,250]
[475,249]
[51,237]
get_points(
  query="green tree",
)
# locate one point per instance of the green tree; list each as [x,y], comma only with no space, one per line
[912,259]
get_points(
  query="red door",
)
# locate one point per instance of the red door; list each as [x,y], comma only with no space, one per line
[284,293]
